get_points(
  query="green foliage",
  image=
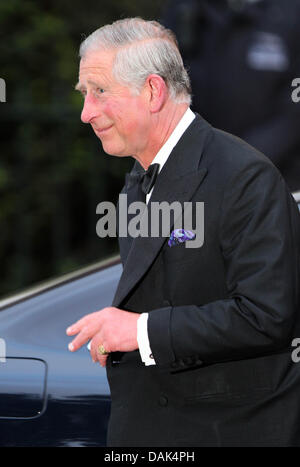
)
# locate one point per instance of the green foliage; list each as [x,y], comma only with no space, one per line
[53,171]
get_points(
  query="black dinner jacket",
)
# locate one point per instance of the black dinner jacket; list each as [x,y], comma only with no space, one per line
[221,317]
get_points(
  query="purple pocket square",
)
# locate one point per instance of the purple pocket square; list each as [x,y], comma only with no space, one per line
[180,236]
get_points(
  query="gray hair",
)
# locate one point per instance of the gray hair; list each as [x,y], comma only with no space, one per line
[143,47]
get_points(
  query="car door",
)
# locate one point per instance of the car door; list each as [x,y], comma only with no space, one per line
[48,395]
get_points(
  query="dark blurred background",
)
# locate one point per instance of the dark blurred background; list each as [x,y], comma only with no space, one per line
[242,56]
[53,171]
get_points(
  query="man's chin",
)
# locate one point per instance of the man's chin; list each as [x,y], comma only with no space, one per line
[113,152]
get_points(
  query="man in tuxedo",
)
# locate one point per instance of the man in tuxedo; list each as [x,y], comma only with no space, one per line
[197,342]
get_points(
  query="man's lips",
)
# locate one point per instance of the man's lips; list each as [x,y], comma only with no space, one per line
[101,131]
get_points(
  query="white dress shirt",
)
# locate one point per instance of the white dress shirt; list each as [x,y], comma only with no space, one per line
[160,158]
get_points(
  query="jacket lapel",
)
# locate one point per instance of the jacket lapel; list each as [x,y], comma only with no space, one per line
[178,180]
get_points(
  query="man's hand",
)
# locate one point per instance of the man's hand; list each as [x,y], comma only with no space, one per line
[111,327]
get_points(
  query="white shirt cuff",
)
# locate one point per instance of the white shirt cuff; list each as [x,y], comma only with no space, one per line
[143,340]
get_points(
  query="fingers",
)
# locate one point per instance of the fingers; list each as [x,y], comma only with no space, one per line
[75,327]
[90,319]
[95,354]
[82,338]
[102,360]
[86,333]
[94,351]
[86,328]
[83,331]
[99,328]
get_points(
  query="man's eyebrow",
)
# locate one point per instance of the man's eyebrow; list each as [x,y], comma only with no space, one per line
[81,87]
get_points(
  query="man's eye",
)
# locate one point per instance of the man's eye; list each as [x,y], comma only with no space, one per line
[100,91]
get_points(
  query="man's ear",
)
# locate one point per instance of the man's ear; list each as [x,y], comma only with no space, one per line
[157,92]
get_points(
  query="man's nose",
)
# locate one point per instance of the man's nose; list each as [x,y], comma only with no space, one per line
[90,109]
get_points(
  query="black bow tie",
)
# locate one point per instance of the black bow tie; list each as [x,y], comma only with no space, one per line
[146,179]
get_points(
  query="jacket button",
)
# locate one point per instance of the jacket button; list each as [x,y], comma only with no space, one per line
[189,361]
[163,401]
[199,362]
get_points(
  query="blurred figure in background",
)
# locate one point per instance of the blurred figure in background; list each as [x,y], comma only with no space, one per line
[242,56]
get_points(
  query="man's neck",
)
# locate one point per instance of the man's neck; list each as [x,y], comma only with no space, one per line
[163,126]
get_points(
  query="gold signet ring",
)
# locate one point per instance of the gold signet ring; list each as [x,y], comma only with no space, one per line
[101,350]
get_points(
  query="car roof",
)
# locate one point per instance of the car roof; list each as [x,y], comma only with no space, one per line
[56,282]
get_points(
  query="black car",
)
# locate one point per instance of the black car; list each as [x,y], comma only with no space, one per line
[48,395]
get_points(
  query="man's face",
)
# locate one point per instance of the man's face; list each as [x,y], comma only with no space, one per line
[119,118]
